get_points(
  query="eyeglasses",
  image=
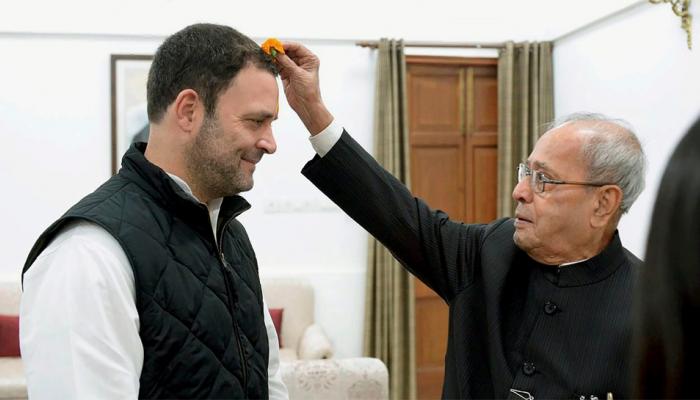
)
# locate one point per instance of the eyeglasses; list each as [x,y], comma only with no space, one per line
[538,180]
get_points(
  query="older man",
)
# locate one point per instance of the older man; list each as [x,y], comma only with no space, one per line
[539,304]
[148,287]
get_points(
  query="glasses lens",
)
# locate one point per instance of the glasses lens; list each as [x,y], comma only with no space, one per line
[538,182]
[522,172]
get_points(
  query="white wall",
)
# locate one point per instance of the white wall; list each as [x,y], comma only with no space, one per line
[444,20]
[636,67]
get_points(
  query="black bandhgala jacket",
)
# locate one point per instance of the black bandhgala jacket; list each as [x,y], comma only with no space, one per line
[545,331]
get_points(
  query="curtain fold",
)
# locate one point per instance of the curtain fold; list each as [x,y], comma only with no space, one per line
[525,107]
[389,332]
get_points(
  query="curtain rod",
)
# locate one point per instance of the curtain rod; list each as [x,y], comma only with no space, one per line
[373,44]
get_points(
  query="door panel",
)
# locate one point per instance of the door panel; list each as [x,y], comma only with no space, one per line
[485,97]
[453,121]
[483,190]
[435,107]
[441,185]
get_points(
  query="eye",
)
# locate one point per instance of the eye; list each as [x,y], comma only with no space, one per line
[257,122]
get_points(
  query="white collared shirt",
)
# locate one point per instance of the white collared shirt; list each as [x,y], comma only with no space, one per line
[79,327]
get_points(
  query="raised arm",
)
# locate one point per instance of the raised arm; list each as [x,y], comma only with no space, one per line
[440,252]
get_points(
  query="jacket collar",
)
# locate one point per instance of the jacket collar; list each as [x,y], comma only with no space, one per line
[589,271]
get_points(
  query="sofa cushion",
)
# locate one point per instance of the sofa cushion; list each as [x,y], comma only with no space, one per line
[10,295]
[314,345]
[9,336]
[296,296]
[276,315]
[13,384]
[287,355]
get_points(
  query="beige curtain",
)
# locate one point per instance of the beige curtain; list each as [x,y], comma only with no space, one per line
[525,107]
[389,308]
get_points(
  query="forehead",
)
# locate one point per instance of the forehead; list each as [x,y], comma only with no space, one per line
[251,86]
[559,151]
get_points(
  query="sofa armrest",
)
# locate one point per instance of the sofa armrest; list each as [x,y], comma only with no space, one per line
[13,384]
[339,378]
[314,344]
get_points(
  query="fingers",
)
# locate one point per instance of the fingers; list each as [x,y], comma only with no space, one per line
[290,60]
[285,62]
[301,56]
[296,50]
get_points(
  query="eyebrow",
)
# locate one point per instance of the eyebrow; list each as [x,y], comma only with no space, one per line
[260,115]
[541,166]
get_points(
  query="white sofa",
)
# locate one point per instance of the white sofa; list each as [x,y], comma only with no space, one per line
[361,378]
[301,338]
[306,356]
[13,384]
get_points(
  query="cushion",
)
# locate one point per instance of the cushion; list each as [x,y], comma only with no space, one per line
[276,315]
[13,383]
[286,354]
[314,344]
[9,336]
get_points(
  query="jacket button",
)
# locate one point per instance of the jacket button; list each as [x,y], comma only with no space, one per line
[529,368]
[550,308]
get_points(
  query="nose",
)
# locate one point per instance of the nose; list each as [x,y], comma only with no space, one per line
[267,142]
[522,193]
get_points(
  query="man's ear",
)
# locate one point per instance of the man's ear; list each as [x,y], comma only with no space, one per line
[189,111]
[607,205]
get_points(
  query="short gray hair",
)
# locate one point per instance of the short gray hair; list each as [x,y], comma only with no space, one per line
[613,153]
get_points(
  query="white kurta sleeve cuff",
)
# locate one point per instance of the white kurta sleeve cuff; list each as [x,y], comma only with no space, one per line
[324,141]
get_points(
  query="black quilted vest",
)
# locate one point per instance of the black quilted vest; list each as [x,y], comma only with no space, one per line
[199,303]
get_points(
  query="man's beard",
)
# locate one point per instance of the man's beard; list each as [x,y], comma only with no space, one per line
[215,172]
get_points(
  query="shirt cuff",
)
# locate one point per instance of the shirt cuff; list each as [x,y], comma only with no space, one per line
[324,141]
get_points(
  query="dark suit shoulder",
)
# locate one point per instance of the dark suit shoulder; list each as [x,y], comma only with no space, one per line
[633,260]
[498,228]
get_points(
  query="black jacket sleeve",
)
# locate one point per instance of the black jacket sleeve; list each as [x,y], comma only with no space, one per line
[440,252]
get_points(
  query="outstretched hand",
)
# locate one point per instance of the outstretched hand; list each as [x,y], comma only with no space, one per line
[299,72]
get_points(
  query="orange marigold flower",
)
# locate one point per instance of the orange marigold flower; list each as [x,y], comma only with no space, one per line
[273,47]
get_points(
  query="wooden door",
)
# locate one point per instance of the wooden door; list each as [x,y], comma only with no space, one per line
[452,107]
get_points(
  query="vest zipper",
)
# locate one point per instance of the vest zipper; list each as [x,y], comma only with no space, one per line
[229,292]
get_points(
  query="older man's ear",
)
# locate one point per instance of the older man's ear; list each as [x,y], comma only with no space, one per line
[607,205]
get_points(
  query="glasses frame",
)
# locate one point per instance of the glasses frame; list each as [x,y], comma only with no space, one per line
[538,178]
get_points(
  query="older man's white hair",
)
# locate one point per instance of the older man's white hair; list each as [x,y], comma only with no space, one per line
[613,153]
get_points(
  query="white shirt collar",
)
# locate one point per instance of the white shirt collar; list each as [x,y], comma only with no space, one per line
[213,205]
[574,262]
